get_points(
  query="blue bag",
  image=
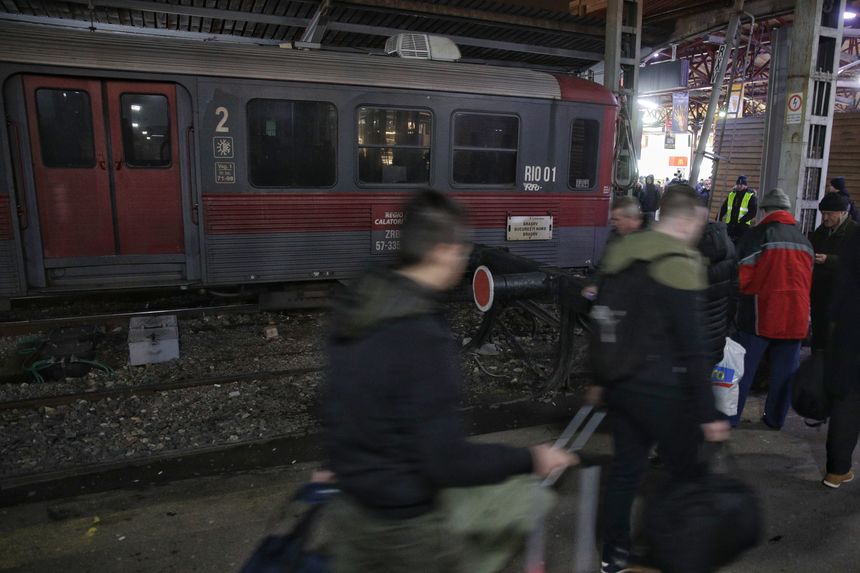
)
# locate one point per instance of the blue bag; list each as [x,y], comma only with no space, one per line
[288,553]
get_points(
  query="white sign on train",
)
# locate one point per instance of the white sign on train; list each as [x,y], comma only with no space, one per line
[536,174]
[529,228]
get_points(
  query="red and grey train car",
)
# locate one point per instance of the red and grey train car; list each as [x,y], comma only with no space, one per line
[141,162]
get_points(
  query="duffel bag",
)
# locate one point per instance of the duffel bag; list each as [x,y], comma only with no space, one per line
[696,526]
[809,396]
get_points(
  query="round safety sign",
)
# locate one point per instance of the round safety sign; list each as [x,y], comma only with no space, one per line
[795,102]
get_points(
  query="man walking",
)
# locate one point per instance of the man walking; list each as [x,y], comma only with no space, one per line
[649,199]
[393,433]
[775,278]
[739,209]
[669,398]
[827,240]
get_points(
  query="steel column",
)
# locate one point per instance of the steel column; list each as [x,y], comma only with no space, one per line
[816,44]
[621,75]
[714,102]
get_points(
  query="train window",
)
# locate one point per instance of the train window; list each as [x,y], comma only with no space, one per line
[485,149]
[584,140]
[145,122]
[292,143]
[394,145]
[65,128]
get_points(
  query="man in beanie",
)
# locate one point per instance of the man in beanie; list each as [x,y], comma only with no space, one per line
[739,209]
[836,227]
[775,277]
[837,185]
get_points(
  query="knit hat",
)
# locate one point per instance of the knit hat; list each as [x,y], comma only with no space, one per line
[838,183]
[775,199]
[742,180]
[833,202]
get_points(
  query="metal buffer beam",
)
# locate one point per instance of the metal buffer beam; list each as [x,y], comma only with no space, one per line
[504,280]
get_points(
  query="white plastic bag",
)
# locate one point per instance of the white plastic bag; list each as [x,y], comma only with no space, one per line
[726,378]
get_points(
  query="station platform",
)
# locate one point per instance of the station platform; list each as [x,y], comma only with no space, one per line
[212,524]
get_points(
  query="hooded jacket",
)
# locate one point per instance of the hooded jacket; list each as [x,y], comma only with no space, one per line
[392,429]
[775,277]
[716,246]
[675,368]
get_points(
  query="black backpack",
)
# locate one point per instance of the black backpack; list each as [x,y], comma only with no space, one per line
[622,318]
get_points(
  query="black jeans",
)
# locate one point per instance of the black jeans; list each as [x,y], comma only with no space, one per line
[638,422]
[842,433]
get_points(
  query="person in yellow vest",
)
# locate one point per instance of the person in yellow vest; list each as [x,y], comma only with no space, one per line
[739,209]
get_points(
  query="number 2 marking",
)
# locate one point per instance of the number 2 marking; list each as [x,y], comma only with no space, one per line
[222,125]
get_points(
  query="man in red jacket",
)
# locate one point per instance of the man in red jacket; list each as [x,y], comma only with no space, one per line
[775,275]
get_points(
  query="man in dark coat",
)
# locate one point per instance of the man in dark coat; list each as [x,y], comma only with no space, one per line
[739,209]
[837,185]
[827,242]
[719,300]
[392,429]
[649,199]
[843,368]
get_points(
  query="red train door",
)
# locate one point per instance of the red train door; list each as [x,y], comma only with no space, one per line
[107,170]
[70,165]
[145,150]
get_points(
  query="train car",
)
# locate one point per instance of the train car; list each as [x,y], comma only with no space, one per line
[133,162]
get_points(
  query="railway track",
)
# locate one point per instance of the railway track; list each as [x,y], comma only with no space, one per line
[143,389]
[249,455]
[14,328]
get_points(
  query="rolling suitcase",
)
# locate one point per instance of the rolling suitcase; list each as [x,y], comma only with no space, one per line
[585,545]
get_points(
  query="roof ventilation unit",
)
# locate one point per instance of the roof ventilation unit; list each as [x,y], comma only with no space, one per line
[422,47]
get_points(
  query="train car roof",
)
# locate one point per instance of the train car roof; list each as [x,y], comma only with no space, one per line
[29,44]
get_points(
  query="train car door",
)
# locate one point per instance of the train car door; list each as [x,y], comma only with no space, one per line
[108,181]
[67,135]
[145,152]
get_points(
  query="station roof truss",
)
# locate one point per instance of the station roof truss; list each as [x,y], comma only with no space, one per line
[551,35]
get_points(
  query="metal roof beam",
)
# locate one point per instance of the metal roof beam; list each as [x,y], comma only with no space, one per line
[480,15]
[475,42]
[136,30]
[718,19]
[218,14]
[214,13]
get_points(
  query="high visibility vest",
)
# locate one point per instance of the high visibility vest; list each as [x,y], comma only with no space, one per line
[745,204]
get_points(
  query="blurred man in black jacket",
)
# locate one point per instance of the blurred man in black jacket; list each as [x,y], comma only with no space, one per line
[393,433]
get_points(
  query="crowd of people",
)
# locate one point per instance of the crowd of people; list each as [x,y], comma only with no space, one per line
[394,435]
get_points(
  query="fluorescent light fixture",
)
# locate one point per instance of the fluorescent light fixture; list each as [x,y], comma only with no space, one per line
[648,104]
[144,132]
[135,107]
[849,15]
[135,125]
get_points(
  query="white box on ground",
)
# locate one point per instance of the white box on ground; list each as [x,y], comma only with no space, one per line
[152,339]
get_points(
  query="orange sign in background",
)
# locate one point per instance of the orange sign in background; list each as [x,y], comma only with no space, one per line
[678,161]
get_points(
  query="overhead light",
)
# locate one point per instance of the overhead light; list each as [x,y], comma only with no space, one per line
[135,125]
[849,15]
[135,107]
[148,138]
[144,132]
[722,114]
[648,104]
